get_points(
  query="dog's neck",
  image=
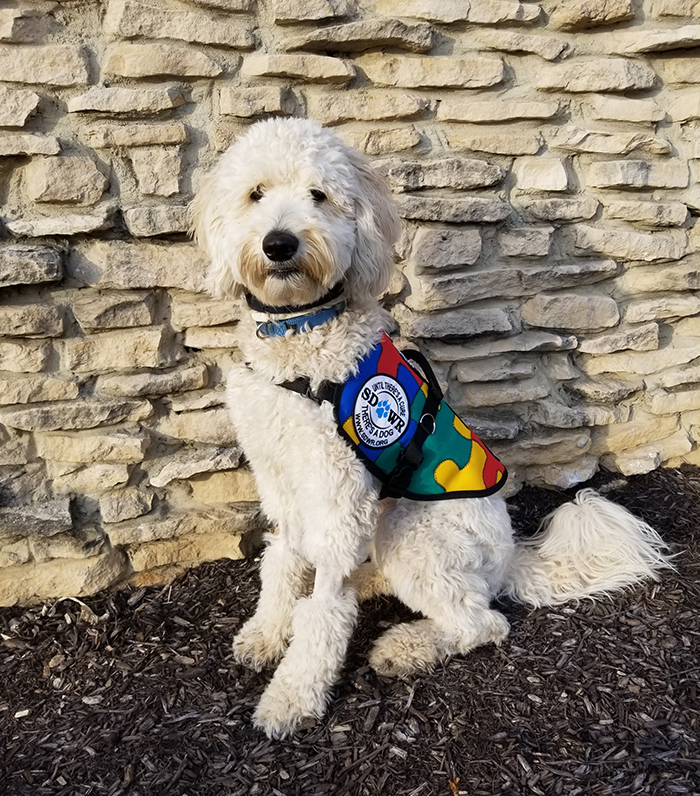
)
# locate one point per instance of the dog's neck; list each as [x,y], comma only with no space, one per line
[327,352]
[278,321]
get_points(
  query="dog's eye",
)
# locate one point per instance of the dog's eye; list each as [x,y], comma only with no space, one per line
[318,196]
[256,195]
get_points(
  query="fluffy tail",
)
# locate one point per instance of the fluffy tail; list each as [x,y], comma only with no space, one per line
[585,548]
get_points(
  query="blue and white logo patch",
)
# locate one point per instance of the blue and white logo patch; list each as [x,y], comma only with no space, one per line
[381,411]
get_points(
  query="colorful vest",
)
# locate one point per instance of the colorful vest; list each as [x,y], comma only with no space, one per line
[409,437]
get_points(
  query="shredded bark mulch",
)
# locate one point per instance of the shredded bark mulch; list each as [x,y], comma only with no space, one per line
[136,692]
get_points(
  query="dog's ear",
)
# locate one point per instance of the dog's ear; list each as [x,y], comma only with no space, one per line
[378,228]
[207,227]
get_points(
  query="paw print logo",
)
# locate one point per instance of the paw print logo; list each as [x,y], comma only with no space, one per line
[382,409]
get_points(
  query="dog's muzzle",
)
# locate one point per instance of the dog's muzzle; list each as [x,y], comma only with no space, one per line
[280,246]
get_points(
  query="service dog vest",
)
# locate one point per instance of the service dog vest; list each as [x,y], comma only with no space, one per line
[405,433]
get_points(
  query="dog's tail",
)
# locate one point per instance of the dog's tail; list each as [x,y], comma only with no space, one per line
[585,548]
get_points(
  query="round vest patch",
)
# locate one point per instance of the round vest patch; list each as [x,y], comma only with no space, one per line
[381,411]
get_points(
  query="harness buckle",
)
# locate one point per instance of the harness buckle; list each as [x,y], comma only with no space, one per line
[427,423]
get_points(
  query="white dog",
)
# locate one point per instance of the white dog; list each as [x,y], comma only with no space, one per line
[300,225]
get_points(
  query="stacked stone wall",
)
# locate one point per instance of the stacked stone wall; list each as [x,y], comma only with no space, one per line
[544,158]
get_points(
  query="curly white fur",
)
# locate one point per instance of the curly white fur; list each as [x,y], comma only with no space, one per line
[447,559]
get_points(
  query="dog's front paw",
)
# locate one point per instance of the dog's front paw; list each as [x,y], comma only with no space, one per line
[284,705]
[257,646]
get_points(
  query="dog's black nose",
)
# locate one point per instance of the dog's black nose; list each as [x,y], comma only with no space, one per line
[279,245]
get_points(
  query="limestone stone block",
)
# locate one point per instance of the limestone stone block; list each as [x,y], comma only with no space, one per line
[36,519]
[13,144]
[688,327]
[153,60]
[105,445]
[212,337]
[649,214]
[563,476]
[211,426]
[527,341]
[574,139]
[189,550]
[186,311]
[312,68]
[42,320]
[458,173]
[606,389]
[452,323]
[125,349]
[32,583]
[684,105]
[127,100]
[22,264]
[145,222]
[644,337]
[363,105]
[676,70]
[113,310]
[161,383]
[477,11]
[450,290]
[365,34]
[226,486]
[674,377]
[437,71]
[188,462]
[573,209]
[505,392]
[648,457]
[574,15]
[63,225]
[646,41]
[459,211]
[497,368]
[597,74]
[125,504]
[498,143]
[571,311]
[80,543]
[558,415]
[639,362]
[452,109]
[196,399]
[548,47]
[157,169]
[30,389]
[69,415]
[23,25]
[437,249]
[24,356]
[561,446]
[677,276]
[16,106]
[73,477]
[254,101]
[226,5]
[676,8]
[140,134]
[642,429]
[639,111]
[122,266]
[526,242]
[45,64]
[14,553]
[287,12]
[638,174]
[656,309]
[540,174]
[633,246]
[65,179]
[132,18]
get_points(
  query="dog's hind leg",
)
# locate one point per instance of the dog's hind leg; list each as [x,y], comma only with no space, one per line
[321,629]
[263,638]
[368,582]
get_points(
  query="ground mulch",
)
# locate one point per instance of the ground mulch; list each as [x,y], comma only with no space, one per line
[136,692]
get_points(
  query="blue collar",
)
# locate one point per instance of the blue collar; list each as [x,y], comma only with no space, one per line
[299,323]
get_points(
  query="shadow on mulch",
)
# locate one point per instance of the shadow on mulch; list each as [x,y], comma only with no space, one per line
[138,693]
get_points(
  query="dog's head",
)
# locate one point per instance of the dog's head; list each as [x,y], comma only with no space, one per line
[290,210]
